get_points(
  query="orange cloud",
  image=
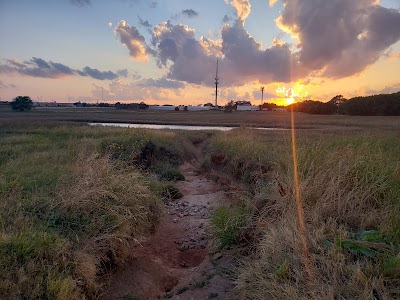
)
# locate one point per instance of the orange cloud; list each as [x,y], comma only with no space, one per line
[396,55]
[133,40]
[272,2]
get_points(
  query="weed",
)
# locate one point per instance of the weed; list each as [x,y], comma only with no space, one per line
[199,284]
[282,269]
[227,223]
[167,171]
[166,190]
[168,295]
[130,297]
[182,290]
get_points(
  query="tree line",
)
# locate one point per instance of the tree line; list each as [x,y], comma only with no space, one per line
[376,105]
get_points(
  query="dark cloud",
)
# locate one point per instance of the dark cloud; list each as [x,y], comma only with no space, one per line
[162,83]
[144,23]
[340,36]
[177,44]
[249,61]
[190,13]
[38,67]
[95,73]
[243,59]
[226,19]
[123,73]
[41,63]
[133,40]
[81,3]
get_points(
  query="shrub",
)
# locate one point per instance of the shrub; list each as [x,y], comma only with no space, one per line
[227,223]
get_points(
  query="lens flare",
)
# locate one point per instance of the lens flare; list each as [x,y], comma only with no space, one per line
[291,94]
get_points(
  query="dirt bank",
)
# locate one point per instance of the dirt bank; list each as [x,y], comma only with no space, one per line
[179,261]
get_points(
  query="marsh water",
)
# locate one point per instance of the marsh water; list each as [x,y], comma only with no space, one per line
[180,127]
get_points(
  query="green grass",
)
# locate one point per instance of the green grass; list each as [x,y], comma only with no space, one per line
[72,198]
[167,171]
[227,223]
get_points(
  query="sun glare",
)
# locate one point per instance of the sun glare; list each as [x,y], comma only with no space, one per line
[292,94]
[289,101]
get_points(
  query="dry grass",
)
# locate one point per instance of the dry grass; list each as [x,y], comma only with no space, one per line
[70,208]
[350,195]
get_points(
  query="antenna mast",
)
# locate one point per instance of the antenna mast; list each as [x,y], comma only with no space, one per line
[216,86]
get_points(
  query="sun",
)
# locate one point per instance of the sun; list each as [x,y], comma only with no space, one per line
[289,101]
[290,95]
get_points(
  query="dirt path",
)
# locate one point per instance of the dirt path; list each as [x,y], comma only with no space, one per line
[179,260]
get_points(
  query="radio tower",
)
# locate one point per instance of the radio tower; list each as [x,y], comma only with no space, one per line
[216,87]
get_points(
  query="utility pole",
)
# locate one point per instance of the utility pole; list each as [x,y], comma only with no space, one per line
[262,95]
[216,87]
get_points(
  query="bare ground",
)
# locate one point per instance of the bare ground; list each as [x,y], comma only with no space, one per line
[180,261]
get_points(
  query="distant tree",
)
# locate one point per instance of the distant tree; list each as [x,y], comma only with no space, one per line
[21,103]
[230,106]
[337,100]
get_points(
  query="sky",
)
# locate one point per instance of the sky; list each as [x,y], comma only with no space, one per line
[165,51]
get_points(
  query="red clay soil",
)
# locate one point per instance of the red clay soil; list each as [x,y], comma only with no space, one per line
[179,261]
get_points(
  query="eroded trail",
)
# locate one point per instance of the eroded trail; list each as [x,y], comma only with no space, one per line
[179,260]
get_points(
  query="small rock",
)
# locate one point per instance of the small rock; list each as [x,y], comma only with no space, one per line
[201,225]
[184,246]
[203,244]
[175,220]
[180,215]
[183,264]
[217,256]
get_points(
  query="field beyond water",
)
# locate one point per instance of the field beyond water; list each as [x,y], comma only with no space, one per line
[73,198]
[207,118]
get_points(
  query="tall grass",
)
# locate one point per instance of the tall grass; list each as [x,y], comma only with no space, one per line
[72,199]
[350,190]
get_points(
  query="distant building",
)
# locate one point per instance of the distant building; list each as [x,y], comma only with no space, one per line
[53,104]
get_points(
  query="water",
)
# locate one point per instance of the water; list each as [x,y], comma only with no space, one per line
[180,127]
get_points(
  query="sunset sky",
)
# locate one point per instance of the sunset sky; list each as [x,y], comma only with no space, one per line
[165,51]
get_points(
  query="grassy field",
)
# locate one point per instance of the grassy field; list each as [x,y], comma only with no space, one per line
[73,197]
[214,118]
[350,193]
